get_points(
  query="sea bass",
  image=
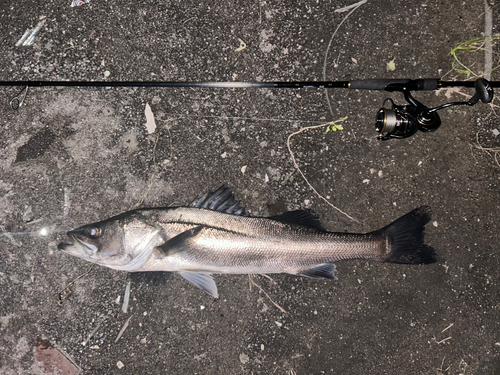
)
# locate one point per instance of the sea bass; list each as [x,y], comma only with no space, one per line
[214,234]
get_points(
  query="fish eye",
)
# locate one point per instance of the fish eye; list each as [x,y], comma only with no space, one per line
[94,232]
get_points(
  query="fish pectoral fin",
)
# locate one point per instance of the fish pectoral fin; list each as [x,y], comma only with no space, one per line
[203,281]
[180,242]
[323,271]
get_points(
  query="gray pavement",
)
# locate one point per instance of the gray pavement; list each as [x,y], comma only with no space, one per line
[71,156]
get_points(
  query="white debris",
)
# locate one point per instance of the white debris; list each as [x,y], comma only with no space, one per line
[243,169]
[242,46]
[150,120]
[91,334]
[120,364]
[278,324]
[107,73]
[266,178]
[29,35]
[118,300]
[224,155]
[77,3]
[244,358]
[126,298]
[67,203]
[435,223]
[123,329]
[391,65]
[202,307]
[262,347]
[366,181]
[495,132]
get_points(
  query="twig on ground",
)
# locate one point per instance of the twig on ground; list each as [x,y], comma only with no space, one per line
[300,171]
[60,299]
[250,277]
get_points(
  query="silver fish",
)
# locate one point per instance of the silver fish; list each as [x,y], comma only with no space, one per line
[214,235]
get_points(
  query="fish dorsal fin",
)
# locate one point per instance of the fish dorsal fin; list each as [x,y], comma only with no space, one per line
[222,201]
[300,217]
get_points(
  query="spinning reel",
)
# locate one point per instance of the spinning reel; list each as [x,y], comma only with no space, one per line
[402,121]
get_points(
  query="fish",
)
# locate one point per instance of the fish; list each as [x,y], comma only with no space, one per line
[215,235]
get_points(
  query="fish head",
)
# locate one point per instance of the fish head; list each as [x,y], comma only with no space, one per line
[123,242]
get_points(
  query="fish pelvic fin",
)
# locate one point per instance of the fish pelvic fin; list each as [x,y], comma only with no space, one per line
[203,281]
[406,238]
[222,201]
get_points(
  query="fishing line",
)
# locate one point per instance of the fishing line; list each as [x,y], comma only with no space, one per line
[392,122]
[43,232]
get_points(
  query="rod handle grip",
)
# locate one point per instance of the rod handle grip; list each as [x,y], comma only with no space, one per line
[394,84]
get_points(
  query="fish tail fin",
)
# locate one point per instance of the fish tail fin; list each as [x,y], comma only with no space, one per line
[406,239]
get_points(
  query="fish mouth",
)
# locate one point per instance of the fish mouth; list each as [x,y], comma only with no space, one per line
[78,248]
[63,246]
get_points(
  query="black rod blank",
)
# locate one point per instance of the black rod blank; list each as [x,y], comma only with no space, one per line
[366,84]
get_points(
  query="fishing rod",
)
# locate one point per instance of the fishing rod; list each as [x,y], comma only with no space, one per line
[393,121]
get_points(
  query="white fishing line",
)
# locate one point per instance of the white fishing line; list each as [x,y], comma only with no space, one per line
[488,43]
[42,232]
[354,7]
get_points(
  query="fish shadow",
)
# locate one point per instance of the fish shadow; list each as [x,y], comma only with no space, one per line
[155,278]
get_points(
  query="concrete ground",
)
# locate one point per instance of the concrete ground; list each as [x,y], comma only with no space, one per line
[72,156]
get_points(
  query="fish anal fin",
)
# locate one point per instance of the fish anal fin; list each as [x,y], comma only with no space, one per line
[300,217]
[322,271]
[203,281]
[180,242]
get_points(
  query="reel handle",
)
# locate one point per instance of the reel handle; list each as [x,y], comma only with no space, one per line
[484,92]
